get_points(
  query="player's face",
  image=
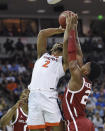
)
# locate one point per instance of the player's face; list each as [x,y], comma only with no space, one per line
[24,95]
[86,68]
[59,53]
[57,49]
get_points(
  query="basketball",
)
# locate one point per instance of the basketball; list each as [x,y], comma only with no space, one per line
[62,18]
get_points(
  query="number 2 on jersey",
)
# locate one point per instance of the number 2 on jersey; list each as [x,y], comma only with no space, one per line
[46,64]
[85,97]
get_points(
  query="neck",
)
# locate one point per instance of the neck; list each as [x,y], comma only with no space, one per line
[56,55]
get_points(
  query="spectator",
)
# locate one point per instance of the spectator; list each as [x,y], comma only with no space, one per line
[100,110]
[10,77]
[100,102]
[90,105]
[8,45]
[11,86]
[22,68]
[14,67]
[97,120]
[100,45]
[19,45]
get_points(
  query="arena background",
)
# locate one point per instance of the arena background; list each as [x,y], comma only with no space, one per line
[20,22]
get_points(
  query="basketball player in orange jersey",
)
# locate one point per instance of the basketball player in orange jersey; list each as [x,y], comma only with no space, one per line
[49,68]
[79,86]
[17,115]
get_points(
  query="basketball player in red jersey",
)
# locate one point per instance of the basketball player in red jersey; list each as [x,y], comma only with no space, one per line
[17,115]
[79,86]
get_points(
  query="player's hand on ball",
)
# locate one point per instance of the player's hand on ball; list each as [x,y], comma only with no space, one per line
[71,20]
[61,29]
[76,20]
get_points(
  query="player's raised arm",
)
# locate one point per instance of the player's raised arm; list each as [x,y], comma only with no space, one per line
[72,57]
[69,27]
[79,55]
[65,43]
[42,39]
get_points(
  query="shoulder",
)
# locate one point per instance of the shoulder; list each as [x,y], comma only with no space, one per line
[60,59]
[42,55]
[46,54]
[15,117]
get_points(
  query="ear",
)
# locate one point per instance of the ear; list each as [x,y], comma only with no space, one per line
[86,72]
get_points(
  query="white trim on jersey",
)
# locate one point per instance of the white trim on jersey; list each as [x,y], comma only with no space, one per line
[23,112]
[71,98]
[68,125]
[75,124]
[80,88]
[75,112]
[17,114]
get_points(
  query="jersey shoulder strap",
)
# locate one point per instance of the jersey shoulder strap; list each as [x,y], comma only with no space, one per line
[16,117]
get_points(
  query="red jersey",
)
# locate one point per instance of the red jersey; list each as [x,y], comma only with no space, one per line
[74,102]
[20,122]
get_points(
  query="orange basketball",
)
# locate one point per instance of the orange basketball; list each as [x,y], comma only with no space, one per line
[62,18]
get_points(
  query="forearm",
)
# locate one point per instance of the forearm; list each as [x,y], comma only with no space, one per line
[42,39]
[72,46]
[79,55]
[5,120]
[51,31]
[65,44]
[78,46]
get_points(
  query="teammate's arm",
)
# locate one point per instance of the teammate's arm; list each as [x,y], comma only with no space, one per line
[5,120]
[42,39]
[10,115]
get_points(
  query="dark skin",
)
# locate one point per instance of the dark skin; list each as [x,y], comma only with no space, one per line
[76,67]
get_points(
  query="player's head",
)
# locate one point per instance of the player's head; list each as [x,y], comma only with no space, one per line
[24,95]
[91,70]
[57,49]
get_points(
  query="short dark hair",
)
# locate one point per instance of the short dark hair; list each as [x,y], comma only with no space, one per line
[95,71]
[57,47]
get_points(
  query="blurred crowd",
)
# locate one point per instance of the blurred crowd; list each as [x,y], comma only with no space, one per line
[17,27]
[16,70]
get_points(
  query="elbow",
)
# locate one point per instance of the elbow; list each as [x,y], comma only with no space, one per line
[41,33]
[73,65]
[66,42]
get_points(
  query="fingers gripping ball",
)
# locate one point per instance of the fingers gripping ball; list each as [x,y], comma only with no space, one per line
[62,18]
